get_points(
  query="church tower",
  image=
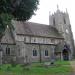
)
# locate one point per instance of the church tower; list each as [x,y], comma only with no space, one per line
[60,20]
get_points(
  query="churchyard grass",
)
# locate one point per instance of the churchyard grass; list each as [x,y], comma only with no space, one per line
[59,68]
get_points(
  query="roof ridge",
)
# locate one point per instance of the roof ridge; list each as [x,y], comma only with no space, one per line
[32,28]
[38,23]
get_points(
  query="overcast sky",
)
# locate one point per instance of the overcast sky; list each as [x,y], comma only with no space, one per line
[42,14]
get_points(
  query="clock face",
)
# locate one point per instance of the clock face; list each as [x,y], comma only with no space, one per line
[67,31]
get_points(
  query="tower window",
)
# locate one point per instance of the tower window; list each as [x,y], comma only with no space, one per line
[34,52]
[25,39]
[64,21]
[46,52]
[53,21]
[8,51]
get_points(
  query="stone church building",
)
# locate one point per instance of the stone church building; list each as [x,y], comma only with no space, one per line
[34,42]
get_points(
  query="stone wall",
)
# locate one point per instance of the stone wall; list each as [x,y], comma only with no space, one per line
[6,58]
[26,53]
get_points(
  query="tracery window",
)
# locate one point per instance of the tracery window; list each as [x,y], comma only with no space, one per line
[7,50]
[46,52]
[34,52]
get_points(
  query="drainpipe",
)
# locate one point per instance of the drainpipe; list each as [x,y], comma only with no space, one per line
[40,53]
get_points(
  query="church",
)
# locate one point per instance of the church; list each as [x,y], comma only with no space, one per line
[34,42]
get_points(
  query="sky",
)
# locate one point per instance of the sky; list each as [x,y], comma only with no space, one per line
[46,6]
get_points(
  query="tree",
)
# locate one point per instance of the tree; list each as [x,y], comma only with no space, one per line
[15,9]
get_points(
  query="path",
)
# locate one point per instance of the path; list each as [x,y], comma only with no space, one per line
[73,66]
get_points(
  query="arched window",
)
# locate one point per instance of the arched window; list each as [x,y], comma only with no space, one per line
[52,40]
[34,52]
[64,21]
[46,52]
[7,51]
[24,39]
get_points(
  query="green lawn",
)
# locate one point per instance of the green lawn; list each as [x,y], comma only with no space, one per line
[60,68]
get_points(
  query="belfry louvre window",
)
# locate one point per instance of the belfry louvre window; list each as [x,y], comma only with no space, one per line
[54,21]
[64,20]
[34,52]
[24,39]
[46,52]
[8,51]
